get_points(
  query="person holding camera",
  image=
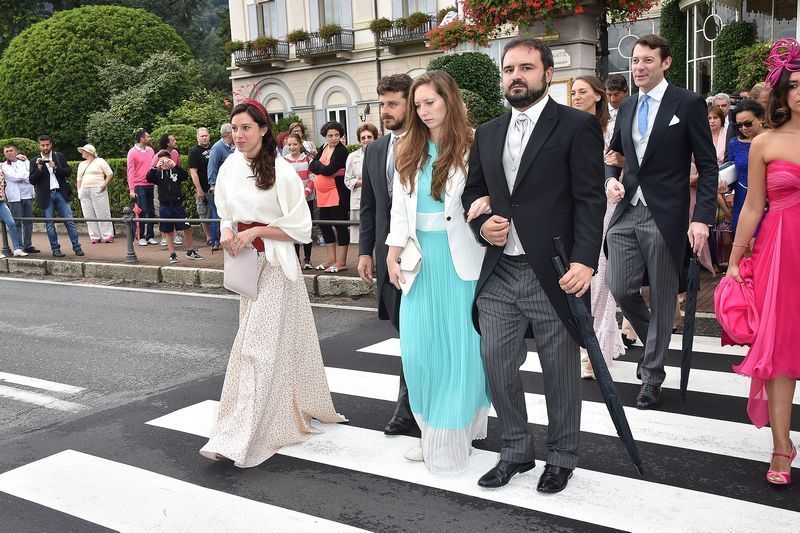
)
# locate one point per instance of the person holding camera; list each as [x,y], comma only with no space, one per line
[167,177]
[49,173]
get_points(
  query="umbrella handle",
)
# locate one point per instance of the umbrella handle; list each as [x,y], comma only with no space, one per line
[561,250]
[561,270]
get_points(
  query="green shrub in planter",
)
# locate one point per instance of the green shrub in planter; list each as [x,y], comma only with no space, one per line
[297,36]
[26,146]
[352,147]
[234,46]
[284,123]
[416,20]
[264,44]
[399,23]
[329,31]
[380,25]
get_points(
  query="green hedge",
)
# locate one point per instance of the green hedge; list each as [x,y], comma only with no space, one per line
[750,64]
[733,37]
[26,146]
[673,28]
[185,135]
[475,71]
[477,108]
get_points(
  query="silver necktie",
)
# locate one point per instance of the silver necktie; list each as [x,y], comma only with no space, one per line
[517,135]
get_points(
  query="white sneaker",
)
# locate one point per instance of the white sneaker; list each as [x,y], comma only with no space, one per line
[163,241]
[177,239]
[20,253]
[142,242]
[414,454]
[154,242]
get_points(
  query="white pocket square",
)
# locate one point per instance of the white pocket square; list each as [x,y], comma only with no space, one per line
[674,120]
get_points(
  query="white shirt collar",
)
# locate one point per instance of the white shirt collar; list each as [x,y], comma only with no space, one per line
[139,148]
[657,92]
[533,112]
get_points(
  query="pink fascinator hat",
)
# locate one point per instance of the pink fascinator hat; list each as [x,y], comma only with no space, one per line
[785,55]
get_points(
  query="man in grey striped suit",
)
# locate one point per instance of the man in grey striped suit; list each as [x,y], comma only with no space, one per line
[541,166]
[655,136]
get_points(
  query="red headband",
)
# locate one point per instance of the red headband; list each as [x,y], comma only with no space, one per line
[260,108]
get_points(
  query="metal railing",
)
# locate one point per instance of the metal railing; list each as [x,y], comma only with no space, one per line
[404,35]
[280,52]
[316,45]
[130,222]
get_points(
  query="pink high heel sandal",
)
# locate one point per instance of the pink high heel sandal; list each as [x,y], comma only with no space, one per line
[782,478]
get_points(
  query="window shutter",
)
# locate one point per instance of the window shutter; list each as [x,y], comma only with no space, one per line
[397,9]
[313,15]
[320,118]
[283,24]
[252,21]
[346,14]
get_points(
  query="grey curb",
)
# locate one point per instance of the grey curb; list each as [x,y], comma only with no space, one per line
[316,284]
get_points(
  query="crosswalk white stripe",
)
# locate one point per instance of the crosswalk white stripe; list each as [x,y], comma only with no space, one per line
[41,384]
[704,345]
[708,381]
[594,497]
[42,400]
[131,499]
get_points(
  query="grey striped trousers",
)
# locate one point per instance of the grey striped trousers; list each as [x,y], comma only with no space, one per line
[636,244]
[511,299]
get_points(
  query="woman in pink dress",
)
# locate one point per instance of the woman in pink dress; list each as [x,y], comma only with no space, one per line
[773,362]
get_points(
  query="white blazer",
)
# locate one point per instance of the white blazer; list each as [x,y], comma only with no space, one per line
[467,254]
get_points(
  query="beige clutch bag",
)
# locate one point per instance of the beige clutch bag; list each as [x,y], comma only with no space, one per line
[240,273]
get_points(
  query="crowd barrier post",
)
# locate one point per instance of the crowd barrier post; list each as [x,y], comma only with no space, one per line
[6,250]
[130,230]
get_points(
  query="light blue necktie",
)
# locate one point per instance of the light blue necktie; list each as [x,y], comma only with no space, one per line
[644,109]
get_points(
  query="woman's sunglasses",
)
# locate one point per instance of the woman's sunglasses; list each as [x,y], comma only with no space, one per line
[744,124]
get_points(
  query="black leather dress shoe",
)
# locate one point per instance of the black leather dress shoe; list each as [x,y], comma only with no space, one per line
[554,479]
[79,252]
[400,426]
[502,473]
[58,253]
[649,397]
[628,342]
[32,250]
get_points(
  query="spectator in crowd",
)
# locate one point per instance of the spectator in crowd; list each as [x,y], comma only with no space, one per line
[366,133]
[139,162]
[219,153]
[760,93]
[377,175]
[275,382]
[8,219]
[280,140]
[722,101]
[719,131]
[19,194]
[307,146]
[299,161]
[737,96]
[616,91]
[168,142]
[658,133]
[94,175]
[49,173]
[773,361]
[749,123]
[168,178]
[198,170]
[427,215]
[588,95]
[333,198]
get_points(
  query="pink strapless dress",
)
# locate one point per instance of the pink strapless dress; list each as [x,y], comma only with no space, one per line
[776,261]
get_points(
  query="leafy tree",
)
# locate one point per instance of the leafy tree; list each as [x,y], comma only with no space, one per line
[54,65]
[163,81]
[202,109]
[185,135]
[29,147]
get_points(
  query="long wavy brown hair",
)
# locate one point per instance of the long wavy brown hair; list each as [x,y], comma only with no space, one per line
[263,165]
[454,143]
[601,106]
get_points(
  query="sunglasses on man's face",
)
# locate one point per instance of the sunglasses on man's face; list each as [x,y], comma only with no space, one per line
[744,124]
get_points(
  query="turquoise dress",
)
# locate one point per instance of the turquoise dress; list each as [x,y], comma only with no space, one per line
[447,387]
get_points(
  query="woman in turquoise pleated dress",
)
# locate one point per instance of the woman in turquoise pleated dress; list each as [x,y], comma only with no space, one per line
[447,387]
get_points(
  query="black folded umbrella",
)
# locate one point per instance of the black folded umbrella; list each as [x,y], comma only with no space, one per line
[690,308]
[585,322]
